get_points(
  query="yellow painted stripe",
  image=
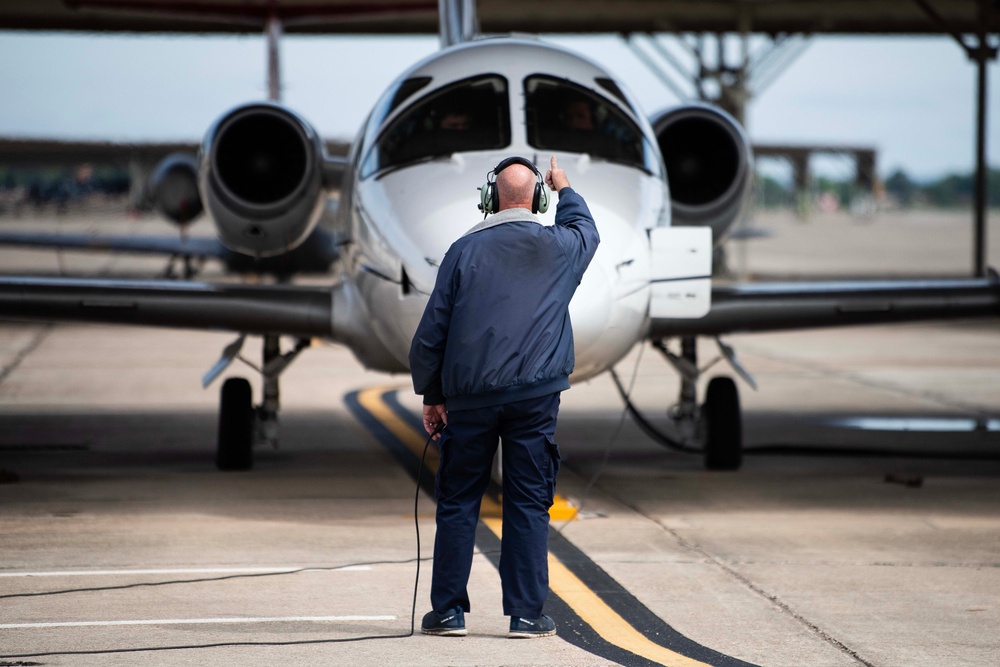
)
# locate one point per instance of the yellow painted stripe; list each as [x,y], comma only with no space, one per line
[371,400]
[596,613]
[606,622]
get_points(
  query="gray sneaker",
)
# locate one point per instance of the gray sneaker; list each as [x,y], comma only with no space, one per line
[450,623]
[526,628]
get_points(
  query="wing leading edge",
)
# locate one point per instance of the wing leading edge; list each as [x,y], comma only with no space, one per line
[783,306]
[193,246]
[251,309]
[304,311]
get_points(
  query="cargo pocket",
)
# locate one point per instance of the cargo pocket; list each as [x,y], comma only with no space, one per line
[443,448]
[553,470]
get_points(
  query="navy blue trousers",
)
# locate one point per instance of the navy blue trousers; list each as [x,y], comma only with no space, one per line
[530,464]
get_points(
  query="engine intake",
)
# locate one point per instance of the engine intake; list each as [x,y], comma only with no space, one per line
[261,179]
[174,186]
[709,166]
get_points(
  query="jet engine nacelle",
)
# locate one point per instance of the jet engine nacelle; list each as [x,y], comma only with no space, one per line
[174,187]
[709,166]
[261,178]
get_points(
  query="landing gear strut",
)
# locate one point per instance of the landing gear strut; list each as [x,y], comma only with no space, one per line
[717,424]
[189,267]
[241,425]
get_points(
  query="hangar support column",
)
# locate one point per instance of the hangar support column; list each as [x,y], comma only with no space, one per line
[981,52]
[982,55]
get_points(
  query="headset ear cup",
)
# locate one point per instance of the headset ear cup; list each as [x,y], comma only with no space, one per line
[489,196]
[541,198]
[486,198]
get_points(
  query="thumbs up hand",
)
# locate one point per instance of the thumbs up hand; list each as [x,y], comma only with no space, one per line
[555,177]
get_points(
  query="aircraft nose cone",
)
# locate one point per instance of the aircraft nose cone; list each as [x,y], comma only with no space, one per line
[590,309]
[609,308]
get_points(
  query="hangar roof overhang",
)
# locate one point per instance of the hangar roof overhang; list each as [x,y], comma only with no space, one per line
[501,16]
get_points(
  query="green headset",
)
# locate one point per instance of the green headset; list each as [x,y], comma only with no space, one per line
[490,199]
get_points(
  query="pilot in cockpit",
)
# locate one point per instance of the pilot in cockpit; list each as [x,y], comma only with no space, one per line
[455,120]
[577,115]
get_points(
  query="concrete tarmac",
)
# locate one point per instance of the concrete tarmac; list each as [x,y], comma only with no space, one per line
[120,543]
[118,535]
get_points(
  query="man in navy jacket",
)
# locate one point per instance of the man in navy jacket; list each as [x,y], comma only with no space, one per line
[490,356]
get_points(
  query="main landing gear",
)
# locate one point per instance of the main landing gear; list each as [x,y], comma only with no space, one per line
[191,266]
[715,428]
[241,424]
[723,425]
[234,450]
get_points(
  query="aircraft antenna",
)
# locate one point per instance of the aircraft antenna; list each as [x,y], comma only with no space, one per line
[458,21]
[273,31]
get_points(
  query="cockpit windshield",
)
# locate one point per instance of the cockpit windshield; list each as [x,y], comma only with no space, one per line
[470,115]
[563,116]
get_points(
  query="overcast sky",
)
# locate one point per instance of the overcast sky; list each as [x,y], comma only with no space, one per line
[911,98]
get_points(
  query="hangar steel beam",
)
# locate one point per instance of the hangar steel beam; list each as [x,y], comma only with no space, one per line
[734,84]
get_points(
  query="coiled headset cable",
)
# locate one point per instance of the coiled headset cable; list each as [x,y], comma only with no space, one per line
[416,523]
[612,441]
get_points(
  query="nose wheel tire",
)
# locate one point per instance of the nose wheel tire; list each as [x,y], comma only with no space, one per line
[723,425]
[235,444]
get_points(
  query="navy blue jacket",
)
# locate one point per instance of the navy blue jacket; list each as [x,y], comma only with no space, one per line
[496,328]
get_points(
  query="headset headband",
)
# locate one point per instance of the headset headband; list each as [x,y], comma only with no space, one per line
[516,159]
[489,200]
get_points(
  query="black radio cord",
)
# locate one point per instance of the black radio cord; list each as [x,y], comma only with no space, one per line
[416,523]
[145,649]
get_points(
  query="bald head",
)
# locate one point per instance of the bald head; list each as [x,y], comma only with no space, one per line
[516,187]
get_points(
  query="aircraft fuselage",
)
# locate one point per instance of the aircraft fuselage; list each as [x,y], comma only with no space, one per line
[427,147]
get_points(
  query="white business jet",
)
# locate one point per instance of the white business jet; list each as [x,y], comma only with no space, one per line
[663,192]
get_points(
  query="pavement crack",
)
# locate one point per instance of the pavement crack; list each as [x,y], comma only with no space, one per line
[23,354]
[709,558]
[882,385]
[750,584]
[773,599]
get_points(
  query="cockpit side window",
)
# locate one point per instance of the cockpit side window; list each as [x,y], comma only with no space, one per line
[470,115]
[406,89]
[563,116]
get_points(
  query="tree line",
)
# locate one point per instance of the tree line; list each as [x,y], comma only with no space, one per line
[949,191]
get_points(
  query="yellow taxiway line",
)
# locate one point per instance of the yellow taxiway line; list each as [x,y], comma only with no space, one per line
[594,611]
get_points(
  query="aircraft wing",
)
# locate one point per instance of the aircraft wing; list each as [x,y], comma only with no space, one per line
[308,311]
[800,305]
[204,247]
[252,309]
[315,255]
